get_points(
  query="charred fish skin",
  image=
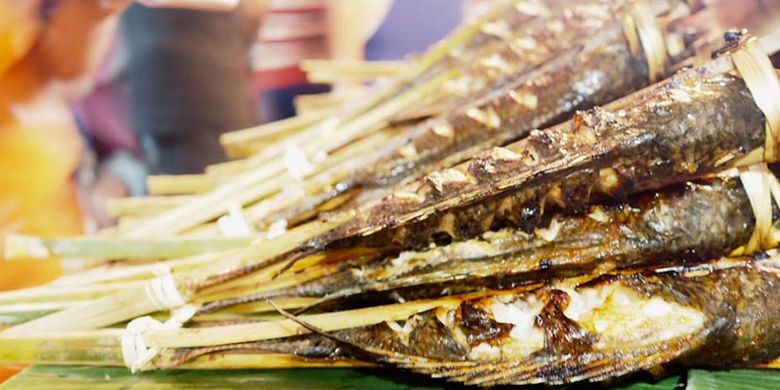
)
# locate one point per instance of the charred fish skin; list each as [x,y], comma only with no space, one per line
[602,330]
[699,222]
[689,126]
[742,308]
[689,223]
[592,73]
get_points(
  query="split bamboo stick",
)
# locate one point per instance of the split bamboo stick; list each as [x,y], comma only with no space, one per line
[140,206]
[179,184]
[243,143]
[28,247]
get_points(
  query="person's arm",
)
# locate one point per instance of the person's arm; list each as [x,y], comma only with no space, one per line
[76,37]
[79,32]
[351,23]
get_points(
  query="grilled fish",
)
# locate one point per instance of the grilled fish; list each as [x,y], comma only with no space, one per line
[722,314]
[689,223]
[556,71]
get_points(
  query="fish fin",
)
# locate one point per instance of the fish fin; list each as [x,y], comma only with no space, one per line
[372,354]
[591,366]
[553,369]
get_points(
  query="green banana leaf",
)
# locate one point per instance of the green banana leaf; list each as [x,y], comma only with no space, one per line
[733,380]
[93,378]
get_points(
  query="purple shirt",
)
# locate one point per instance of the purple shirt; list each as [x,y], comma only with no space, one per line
[412,26]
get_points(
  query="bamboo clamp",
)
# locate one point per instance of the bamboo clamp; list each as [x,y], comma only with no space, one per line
[643,33]
[135,351]
[754,66]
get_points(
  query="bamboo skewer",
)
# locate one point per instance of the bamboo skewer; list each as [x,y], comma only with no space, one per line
[103,347]
[259,361]
[104,350]
[139,206]
[182,338]
[305,104]
[179,184]
[372,68]
[27,247]
[54,294]
[243,143]
[140,300]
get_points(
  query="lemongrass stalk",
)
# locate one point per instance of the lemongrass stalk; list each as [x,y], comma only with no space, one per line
[38,306]
[240,143]
[103,348]
[108,310]
[28,247]
[13,314]
[265,276]
[263,281]
[328,173]
[134,206]
[116,272]
[304,270]
[225,317]
[179,184]
[238,166]
[124,223]
[121,272]
[332,77]
[259,252]
[206,230]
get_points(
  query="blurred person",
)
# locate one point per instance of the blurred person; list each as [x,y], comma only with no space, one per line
[296,30]
[410,27]
[188,73]
[291,31]
[40,147]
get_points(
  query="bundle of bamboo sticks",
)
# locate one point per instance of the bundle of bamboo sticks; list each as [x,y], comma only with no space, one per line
[431,187]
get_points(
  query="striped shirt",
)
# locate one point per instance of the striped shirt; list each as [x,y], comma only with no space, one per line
[292,30]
